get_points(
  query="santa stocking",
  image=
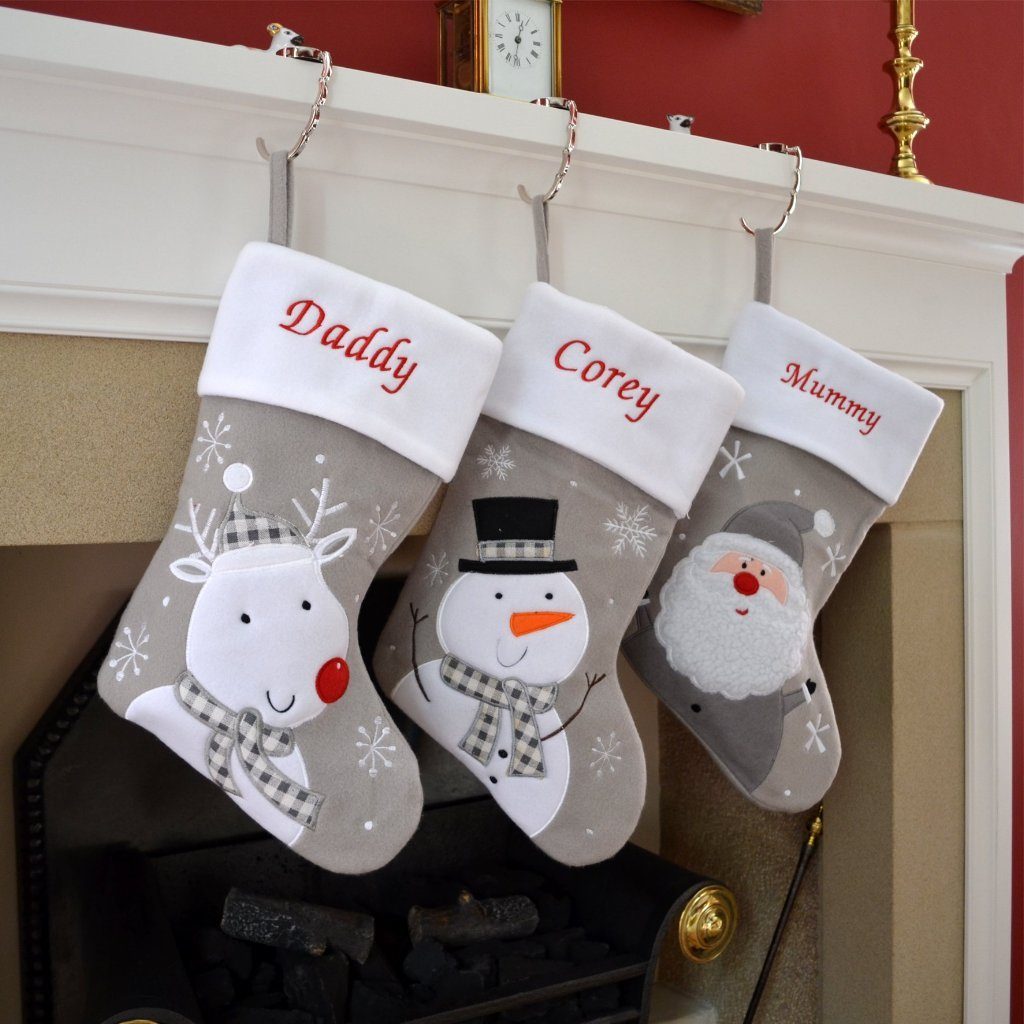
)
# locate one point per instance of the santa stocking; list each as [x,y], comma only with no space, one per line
[503,643]
[824,440]
[319,442]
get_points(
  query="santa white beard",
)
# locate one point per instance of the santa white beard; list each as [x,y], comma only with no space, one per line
[718,650]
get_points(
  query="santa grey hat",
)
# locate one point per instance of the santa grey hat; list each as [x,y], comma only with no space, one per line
[781,523]
[243,528]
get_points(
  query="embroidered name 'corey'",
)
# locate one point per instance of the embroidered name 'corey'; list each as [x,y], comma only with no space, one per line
[372,348]
[572,357]
[803,380]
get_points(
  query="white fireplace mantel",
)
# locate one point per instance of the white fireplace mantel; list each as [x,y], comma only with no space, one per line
[131,180]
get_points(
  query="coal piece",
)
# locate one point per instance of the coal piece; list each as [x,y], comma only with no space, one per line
[482,963]
[557,943]
[214,988]
[588,951]
[300,927]
[370,1006]
[513,947]
[264,978]
[566,1012]
[317,985]
[428,963]
[555,911]
[460,988]
[520,968]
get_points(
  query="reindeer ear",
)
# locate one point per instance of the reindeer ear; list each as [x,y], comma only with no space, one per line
[334,545]
[191,569]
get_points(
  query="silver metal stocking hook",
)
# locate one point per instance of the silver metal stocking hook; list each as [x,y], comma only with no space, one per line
[570,145]
[326,70]
[794,151]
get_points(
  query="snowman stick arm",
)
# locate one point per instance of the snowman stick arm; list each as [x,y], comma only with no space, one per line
[591,683]
[416,620]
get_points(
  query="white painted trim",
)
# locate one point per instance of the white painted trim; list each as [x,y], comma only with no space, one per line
[133,162]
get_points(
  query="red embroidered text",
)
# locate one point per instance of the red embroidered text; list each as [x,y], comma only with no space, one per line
[372,348]
[803,380]
[572,358]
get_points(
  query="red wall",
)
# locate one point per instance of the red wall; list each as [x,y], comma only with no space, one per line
[807,72]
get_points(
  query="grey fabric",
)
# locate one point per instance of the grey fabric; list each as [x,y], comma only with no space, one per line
[353,753]
[780,523]
[764,247]
[781,748]
[597,509]
[540,233]
[282,202]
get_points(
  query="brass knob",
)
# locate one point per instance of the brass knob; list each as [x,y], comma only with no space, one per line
[707,923]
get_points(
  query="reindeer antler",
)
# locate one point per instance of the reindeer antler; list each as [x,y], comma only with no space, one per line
[199,535]
[322,509]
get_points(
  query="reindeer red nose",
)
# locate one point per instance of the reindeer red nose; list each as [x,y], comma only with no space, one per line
[746,583]
[332,680]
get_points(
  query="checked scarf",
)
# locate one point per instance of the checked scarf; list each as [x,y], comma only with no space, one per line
[523,702]
[255,743]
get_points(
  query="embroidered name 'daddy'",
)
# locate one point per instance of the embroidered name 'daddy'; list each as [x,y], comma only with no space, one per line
[830,396]
[380,355]
[597,371]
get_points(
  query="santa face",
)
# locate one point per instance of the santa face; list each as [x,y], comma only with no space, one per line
[531,627]
[734,616]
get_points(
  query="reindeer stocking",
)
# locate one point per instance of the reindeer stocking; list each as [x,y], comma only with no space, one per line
[319,443]
[502,646]
[824,440]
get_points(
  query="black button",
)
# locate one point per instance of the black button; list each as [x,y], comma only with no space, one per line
[502,753]
[811,686]
[494,780]
[695,707]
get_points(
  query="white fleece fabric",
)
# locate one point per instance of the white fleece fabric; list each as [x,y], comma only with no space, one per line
[587,378]
[298,332]
[811,392]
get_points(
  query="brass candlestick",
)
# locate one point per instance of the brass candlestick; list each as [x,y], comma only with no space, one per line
[906,120]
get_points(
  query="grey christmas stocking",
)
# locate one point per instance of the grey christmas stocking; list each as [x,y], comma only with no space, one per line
[503,643]
[317,447]
[823,441]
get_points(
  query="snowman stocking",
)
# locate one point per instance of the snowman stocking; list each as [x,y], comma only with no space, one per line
[824,440]
[503,643]
[319,443]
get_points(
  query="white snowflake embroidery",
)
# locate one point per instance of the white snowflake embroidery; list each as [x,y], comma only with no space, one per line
[834,558]
[733,461]
[437,568]
[132,646]
[605,754]
[375,747]
[632,529]
[816,729]
[496,462]
[380,527]
[211,440]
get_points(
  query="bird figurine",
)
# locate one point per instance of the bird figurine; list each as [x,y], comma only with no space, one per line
[281,37]
[680,122]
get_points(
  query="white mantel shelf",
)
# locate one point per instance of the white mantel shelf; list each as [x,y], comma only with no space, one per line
[131,180]
[139,150]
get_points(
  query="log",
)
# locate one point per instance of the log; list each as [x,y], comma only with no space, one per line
[471,920]
[297,926]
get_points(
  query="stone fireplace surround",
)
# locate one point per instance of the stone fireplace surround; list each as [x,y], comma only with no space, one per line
[138,181]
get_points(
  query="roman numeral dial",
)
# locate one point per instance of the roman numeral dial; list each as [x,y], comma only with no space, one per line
[518,40]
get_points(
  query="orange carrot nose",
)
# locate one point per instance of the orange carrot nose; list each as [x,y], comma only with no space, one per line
[522,623]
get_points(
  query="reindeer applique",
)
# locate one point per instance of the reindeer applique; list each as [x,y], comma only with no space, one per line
[265,652]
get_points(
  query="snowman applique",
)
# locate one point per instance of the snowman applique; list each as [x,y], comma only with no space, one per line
[513,627]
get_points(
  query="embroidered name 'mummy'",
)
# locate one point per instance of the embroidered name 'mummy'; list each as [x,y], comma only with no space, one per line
[572,358]
[372,348]
[803,381]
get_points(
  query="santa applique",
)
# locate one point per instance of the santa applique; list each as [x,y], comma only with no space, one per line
[735,623]
[513,627]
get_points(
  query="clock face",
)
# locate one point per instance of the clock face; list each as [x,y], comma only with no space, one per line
[520,48]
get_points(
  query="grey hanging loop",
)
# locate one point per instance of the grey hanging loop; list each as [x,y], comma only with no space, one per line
[540,232]
[281,199]
[539,202]
[764,249]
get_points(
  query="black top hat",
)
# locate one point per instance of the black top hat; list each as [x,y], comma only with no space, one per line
[515,536]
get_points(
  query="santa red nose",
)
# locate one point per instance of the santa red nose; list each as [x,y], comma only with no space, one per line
[746,584]
[332,680]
